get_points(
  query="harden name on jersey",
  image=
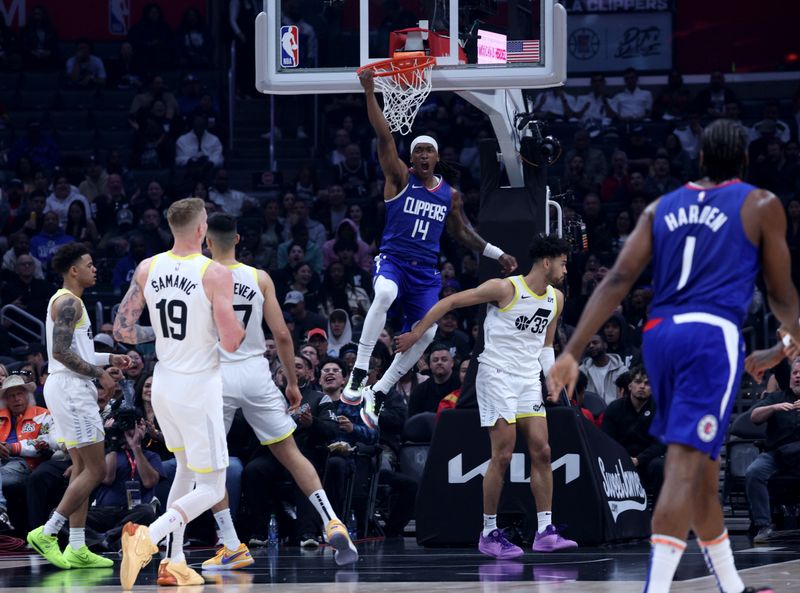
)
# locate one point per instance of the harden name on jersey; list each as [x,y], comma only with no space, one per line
[709,216]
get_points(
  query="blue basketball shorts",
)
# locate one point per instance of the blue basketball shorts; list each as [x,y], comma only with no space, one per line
[694,362]
[418,285]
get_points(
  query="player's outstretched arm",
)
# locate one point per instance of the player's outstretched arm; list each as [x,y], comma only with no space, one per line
[633,258]
[283,337]
[491,291]
[461,230]
[394,169]
[130,309]
[218,282]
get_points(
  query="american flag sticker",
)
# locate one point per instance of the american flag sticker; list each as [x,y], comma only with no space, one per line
[524,50]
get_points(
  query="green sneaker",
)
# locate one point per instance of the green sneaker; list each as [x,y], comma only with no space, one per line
[47,546]
[83,558]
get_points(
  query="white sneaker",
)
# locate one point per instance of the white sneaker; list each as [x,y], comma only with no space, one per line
[368,412]
[352,394]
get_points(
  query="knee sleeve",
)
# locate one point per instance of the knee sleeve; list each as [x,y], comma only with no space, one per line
[211,485]
[385,293]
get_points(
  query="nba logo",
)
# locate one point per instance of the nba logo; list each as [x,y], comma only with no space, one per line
[118,14]
[290,55]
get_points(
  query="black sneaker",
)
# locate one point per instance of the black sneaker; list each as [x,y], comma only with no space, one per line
[764,534]
[352,392]
[5,522]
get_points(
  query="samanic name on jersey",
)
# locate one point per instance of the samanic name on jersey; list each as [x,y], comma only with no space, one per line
[709,216]
[173,281]
[423,208]
[243,290]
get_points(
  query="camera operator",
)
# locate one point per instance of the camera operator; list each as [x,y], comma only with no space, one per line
[131,476]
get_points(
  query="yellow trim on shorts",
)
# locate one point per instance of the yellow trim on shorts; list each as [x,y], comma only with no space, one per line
[279,439]
[515,299]
[531,415]
[204,470]
[73,443]
[176,449]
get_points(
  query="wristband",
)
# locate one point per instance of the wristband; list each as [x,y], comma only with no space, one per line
[787,340]
[102,359]
[547,358]
[492,251]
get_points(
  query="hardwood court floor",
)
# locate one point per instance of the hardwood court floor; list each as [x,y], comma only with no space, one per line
[401,566]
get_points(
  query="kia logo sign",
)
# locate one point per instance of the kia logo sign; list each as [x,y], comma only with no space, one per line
[518,469]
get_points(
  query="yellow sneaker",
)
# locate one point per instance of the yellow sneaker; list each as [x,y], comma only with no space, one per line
[229,559]
[177,574]
[337,537]
[137,551]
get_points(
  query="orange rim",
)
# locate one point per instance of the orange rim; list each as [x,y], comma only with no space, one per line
[393,66]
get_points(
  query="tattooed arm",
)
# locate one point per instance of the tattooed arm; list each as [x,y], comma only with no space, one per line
[67,311]
[130,309]
[461,230]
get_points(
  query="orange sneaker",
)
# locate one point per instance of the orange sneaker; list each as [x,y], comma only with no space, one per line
[137,551]
[177,574]
[337,537]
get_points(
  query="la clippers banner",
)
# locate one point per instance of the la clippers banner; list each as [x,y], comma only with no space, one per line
[597,494]
[100,20]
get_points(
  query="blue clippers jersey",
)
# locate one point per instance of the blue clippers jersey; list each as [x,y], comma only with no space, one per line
[702,259]
[415,220]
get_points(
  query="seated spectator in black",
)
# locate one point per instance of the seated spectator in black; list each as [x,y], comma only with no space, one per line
[193,41]
[577,179]
[38,146]
[301,215]
[264,257]
[156,91]
[366,232]
[594,161]
[152,145]
[426,396]
[579,401]
[661,181]
[674,100]
[199,143]
[345,252]
[312,251]
[230,201]
[154,236]
[617,334]
[602,368]
[597,230]
[339,292]
[110,202]
[26,291]
[84,69]
[154,197]
[125,72]
[449,334]
[348,231]
[640,150]
[711,102]
[774,173]
[122,273]
[623,226]
[115,501]
[781,453]
[80,225]
[330,208]
[44,245]
[39,41]
[143,389]
[680,163]
[356,176]
[638,204]
[627,420]
[304,320]
[615,185]
[307,283]
[152,38]
[27,436]
[635,308]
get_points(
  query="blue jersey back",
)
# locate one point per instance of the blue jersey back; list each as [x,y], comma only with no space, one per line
[702,259]
[415,220]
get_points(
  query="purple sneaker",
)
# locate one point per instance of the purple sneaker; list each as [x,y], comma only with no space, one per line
[497,546]
[550,541]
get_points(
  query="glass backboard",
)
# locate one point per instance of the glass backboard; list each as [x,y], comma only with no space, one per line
[315,46]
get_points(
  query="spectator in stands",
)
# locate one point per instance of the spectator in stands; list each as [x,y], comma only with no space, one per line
[79,225]
[125,72]
[272,226]
[771,125]
[627,420]
[306,184]
[109,203]
[661,181]
[639,149]
[64,194]
[623,225]
[39,41]
[618,339]
[711,102]
[122,273]
[199,143]
[20,245]
[602,368]
[25,290]
[355,175]
[152,38]
[594,108]
[312,251]
[689,133]
[365,231]
[152,145]
[209,107]
[680,163]
[555,104]
[45,244]
[617,181]
[156,90]
[154,198]
[85,70]
[301,215]
[27,436]
[94,184]
[774,173]
[576,179]
[304,320]
[12,207]
[348,231]
[341,140]
[331,208]
[40,148]
[674,100]
[338,292]
[596,226]
[345,252]
[306,282]
[782,451]
[154,236]
[340,331]
[594,161]
[193,40]
[632,103]
[231,201]
[579,400]
[189,96]
[426,397]
[449,334]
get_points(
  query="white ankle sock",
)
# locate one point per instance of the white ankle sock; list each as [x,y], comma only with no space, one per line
[320,501]
[175,545]
[719,559]
[54,523]
[77,537]
[167,523]
[489,524]
[665,555]
[225,524]
[544,519]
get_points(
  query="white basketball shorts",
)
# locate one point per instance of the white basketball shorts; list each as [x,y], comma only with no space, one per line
[72,401]
[503,395]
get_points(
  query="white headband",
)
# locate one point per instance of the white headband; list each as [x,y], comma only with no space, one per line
[424,140]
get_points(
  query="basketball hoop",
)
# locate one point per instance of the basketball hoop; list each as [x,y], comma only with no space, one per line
[405,82]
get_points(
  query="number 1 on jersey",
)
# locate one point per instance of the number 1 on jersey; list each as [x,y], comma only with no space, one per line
[421,227]
[686,266]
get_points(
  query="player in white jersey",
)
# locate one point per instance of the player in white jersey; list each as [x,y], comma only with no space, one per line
[189,299]
[247,383]
[518,332]
[71,397]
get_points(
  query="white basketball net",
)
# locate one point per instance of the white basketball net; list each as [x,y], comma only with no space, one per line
[403,93]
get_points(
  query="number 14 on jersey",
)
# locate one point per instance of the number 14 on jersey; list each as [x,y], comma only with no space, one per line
[421,226]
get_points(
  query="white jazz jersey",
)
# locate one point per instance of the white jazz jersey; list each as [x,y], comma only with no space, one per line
[82,343]
[514,335]
[248,303]
[180,313]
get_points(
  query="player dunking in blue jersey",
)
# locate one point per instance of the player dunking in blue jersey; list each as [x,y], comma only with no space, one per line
[419,205]
[705,241]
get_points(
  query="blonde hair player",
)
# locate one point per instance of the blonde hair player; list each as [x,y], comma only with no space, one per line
[190,301]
